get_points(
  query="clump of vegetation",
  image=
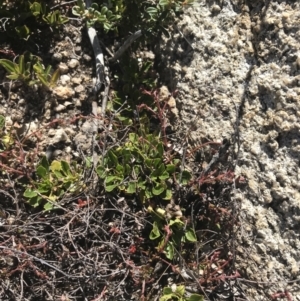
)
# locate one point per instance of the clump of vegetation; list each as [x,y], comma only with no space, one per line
[177,293]
[30,71]
[142,165]
[54,181]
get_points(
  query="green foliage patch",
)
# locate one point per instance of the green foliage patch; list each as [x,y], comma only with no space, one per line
[138,167]
[30,70]
[54,180]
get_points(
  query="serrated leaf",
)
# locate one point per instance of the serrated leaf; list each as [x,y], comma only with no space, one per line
[55,165]
[154,234]
[167,291]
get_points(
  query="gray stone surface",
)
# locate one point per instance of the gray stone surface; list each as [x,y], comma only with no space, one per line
[229,57]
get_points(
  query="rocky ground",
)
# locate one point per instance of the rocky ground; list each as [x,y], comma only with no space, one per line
[234,67]
[237,67]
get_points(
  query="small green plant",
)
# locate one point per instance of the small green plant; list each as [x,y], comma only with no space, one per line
[54,180]
[138,167]
[30,70]
[5,139]
[177,293]
[94,14]
[169,232]
[42,12]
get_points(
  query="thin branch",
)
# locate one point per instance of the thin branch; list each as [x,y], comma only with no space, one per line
[126,44]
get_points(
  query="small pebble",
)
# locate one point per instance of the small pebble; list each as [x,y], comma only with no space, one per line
[63,68]
[73,63]
[57,57]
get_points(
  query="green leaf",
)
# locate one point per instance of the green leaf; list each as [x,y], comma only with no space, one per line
[55,166]
[41,171]
[190,235]
[13,76]
[35,8]
[131,188]
[110,179]
[42,79]
[167,195]
[101,171]
[169,250]
[180,290]
[21,64]
[160,149]
[148,194]
[167,291]
[76,11]
[29,193]
[48,206]
[54,77]
[133,137]
[170,168]
[8,65]
[44,163]
[154,234]
[66,168]
[35,201]
[168,297]
[152,11]
[186,177]
[164,176]
[195,297]
[23,32]
[104,9]
[176,221]
[141,184]
[110,188]
[158,189]
[2,122]
[163,2]
[113,158]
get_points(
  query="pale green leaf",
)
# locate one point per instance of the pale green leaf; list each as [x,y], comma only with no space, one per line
[155,233]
